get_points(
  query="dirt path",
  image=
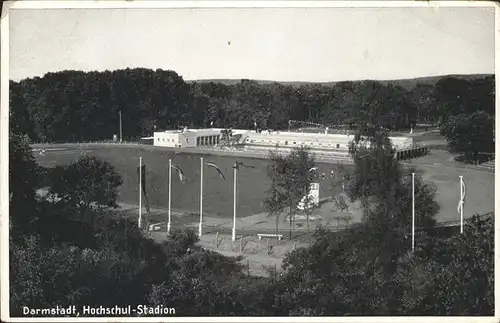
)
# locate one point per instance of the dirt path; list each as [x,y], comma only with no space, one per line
[259,257]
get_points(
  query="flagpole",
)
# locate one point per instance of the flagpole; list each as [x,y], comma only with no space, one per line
[140,193]
[201,198]
[461,205]
[169,194]
[413,213]
[120,113]
[234,201]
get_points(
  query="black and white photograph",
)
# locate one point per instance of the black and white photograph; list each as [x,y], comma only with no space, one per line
[288,161]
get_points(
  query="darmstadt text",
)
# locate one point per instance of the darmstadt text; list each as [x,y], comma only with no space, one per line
[140,310]
[52,311]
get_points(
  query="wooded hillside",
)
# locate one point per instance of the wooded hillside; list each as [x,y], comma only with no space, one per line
[72,106]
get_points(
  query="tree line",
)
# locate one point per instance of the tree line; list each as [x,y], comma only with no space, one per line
[68,248]
[71,106]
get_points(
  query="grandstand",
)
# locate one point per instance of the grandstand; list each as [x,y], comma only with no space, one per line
[324,142]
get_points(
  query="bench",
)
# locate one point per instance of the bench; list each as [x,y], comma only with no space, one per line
[155,227]
[269,235]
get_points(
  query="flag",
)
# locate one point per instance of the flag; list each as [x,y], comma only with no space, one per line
[182,177]
[462,197]
[143,185]
[238,164]
[217,169]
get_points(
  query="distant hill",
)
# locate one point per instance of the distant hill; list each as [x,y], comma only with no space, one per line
[406,83]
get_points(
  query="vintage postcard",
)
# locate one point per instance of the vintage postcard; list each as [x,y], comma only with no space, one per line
[227,161]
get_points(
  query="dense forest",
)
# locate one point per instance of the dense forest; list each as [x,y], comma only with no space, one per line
[72,106]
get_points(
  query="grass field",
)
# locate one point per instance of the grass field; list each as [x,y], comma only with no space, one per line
[218,194]
[253,183]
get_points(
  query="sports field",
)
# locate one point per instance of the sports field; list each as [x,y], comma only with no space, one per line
[253,183]
[218,193]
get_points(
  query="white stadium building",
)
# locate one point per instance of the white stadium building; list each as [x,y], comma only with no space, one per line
[187,138]
[319,143]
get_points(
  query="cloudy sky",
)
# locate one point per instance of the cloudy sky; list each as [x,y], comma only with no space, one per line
[284,44]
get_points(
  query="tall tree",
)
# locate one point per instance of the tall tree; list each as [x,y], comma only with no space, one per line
[385,190]
[86,181]
[470,134]
[422,97]
[24,176]
[290,181]
[366,269]
[459,96]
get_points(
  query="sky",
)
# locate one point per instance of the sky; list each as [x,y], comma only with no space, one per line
[279,44]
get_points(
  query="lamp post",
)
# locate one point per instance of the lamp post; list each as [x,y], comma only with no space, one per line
[202,163]
[169,195]
[140,193]
[200,227]
[235,170]
[413,212]
[121,133]
[181,178]
[235,196]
